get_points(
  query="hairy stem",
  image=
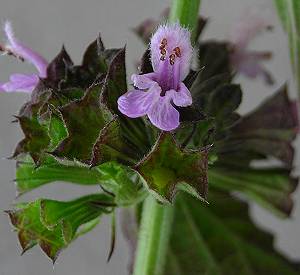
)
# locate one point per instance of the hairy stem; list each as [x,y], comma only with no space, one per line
[153,239]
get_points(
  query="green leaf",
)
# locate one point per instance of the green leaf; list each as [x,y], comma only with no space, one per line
[29,177]
[266,132]
[57,130]
[270,187]
[53,224]
[166,167]
[220,238]
[64,86]
[125,184]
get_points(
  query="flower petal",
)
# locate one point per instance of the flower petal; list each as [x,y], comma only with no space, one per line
[144,81]
[176,37]
[20,83]
[182,97]
[163,115]
[23,51]
[136,103]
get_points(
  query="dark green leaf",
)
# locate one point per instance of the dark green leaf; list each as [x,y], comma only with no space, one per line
[167,166]
[197,135]
[115,81]
[110,146]
[214,59]
[57,69]
[84,119]
[224,101]
[220,239]
[268,130]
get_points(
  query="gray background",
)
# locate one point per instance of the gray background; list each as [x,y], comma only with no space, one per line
[46,25]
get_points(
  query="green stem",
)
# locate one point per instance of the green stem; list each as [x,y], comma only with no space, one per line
[186,12]
[153,239]
[289,13]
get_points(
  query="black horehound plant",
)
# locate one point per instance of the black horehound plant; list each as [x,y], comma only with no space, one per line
[156,147]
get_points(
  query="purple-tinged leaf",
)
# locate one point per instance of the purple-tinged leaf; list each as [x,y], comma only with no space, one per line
[167,167]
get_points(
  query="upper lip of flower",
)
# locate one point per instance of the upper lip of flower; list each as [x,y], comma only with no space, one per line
[22,82]
[157,92]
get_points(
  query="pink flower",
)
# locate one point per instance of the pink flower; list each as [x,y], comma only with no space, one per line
[22,82]
[246,61]
[159,91]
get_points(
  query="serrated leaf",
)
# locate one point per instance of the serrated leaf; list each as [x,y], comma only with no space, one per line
[58,68]
[167,166]
[84,119]
[94,65]
[36,139]
[53,224]
[220,239]
[62,73]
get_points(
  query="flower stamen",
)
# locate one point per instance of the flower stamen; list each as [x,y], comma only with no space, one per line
[172,58]
[163,50]
[177,52]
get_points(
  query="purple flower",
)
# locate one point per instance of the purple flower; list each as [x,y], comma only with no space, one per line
[246,61]
[22,82]
[159,91]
